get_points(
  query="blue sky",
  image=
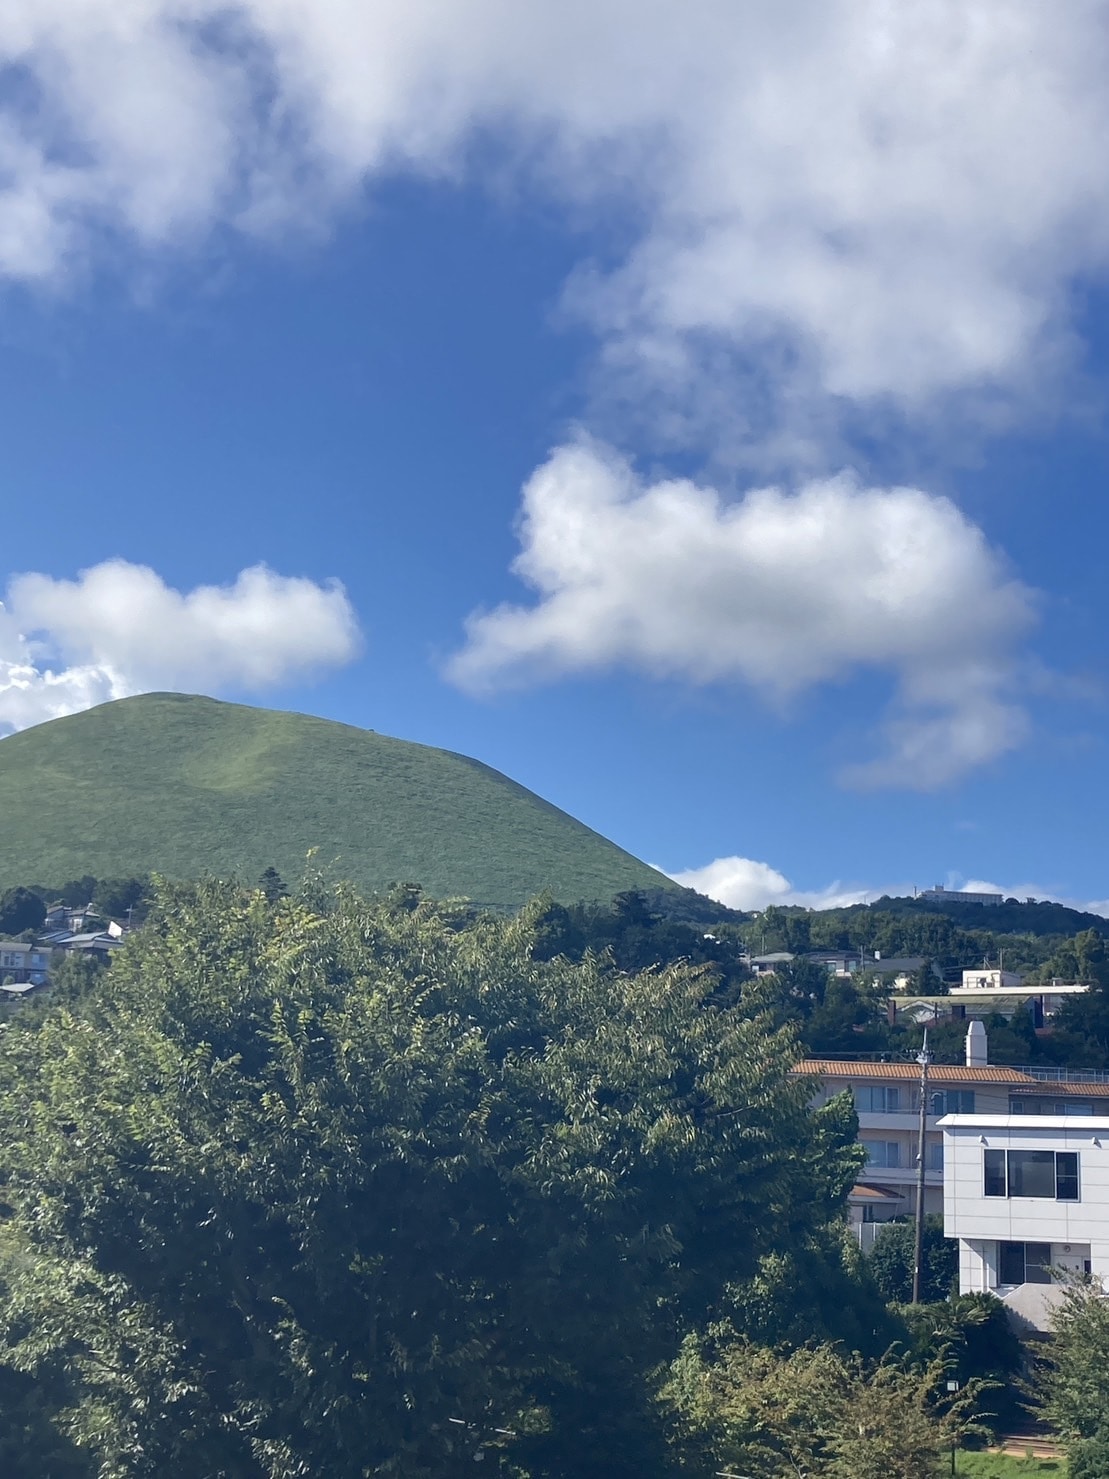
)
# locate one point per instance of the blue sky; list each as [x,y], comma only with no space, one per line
[697,416]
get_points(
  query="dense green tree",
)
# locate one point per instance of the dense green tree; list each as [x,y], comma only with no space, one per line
[973,1334]
[1081,1035]
[299,1184]
[272,885]
[20,910]
[893,1255]
[1076,1392]
[119,898]
[1088,1458]
[814,1412]
[76,893]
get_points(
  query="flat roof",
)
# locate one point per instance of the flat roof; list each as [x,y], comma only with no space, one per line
[984,993]
[1081,1124]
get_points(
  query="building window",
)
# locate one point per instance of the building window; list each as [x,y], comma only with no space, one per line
[883,1153]
[953,1101]
[1039,1104]
[1023,1263]
[880,1099]
[1031,1173]
[934,1156]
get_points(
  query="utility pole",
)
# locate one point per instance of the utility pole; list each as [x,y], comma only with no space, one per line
[924,1058]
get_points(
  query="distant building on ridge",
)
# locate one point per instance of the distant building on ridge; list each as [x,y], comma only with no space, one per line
[940,895]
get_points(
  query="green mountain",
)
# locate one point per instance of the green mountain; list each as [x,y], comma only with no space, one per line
[188,786]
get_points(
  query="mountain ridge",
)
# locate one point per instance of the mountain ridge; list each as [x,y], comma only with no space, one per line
[187,785]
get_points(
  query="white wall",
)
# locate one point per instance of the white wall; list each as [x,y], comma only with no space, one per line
[980,1221]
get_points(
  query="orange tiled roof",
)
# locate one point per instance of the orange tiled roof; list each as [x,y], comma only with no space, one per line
[953,1073]
[949,1073]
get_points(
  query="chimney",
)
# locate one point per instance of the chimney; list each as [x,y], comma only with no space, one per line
[977,1047]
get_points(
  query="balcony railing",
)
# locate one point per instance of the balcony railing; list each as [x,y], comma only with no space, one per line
[1061,1075]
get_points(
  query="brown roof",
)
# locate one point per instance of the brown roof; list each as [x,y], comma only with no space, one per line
[864,1193]
[1049,1089]
[947,1073]
[938,1073]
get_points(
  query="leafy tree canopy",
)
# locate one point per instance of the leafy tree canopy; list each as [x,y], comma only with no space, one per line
[1077,1402]
[814,1412]
[894,1253]
[20,910]
[296,1185]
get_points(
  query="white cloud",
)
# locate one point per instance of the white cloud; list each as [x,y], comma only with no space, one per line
[119,629]
[898,198]
[743,883]
[835,213]
[779,590]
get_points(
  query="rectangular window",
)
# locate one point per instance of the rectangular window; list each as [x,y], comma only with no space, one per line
[882,1153]
[953,1101]
[1031,1173]
[1023,1263]
[1066,1176]
[995,1173]
[1040,1104]
[880,1099]
[934,1154]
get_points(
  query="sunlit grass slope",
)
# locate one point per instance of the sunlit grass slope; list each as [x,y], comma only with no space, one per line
[189,786]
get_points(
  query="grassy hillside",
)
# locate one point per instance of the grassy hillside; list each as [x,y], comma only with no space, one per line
[188,786]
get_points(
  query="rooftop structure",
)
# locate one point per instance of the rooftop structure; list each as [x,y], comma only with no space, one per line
[940,895]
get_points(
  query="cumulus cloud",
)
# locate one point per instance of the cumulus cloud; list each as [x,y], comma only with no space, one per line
[743,883]
[897,197]
[779,590]
[834,213]
[119,629]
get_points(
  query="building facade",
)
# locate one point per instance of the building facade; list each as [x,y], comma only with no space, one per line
[23,964]
[887,1101]
[1025,1195]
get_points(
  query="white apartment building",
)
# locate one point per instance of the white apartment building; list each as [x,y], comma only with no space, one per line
[1025,1194]
[887,1101]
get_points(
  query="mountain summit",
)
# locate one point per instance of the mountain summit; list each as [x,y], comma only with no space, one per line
[189,786]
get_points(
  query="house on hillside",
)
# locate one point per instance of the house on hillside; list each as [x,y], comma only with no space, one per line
[1005,998]
[89,942]
[1027,1194]
[766,965]
[67,918]
[844,963]
[23,964]
[887,1101]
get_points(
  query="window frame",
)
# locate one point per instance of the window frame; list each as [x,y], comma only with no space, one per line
[997,1172]
[885,1164]
[890,1095]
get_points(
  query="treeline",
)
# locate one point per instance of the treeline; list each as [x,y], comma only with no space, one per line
[1028,934]
[844,1016]
[24,907]
[329,1185]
